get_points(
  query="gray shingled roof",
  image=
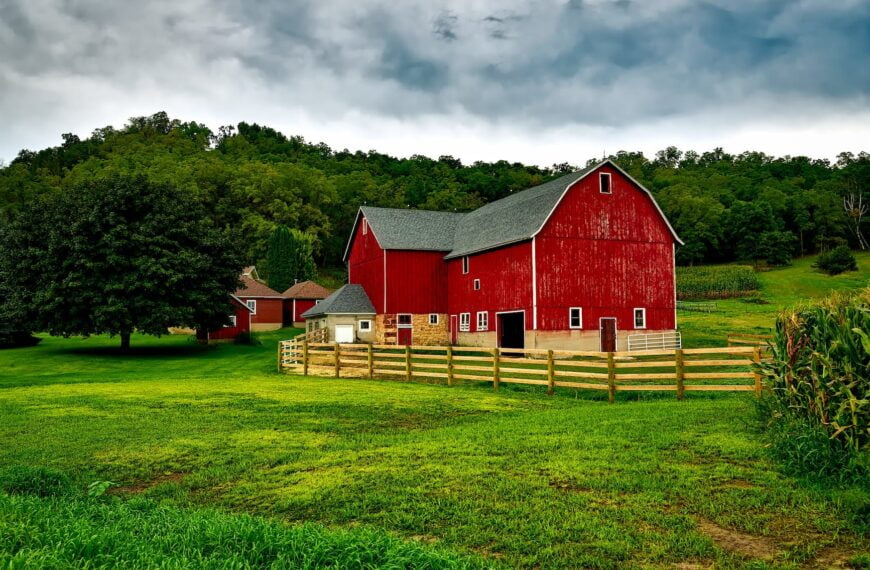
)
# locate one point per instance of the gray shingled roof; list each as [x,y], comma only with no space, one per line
[349,299]
[412,229]
[514,218]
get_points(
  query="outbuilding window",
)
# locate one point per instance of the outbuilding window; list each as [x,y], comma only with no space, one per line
[482,321]
[477,284]
[252,304]
[365,326]
[465,265]
[640,318]
[464,322]
[433,318]
[604,181]
[232,321]
[575,318]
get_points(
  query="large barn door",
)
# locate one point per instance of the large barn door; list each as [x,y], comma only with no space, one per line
[512,330]
[607,332]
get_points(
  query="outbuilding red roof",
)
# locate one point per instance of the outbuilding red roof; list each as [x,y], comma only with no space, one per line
[307,290]
[252,288]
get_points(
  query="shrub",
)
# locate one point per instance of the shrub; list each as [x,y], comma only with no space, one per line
[818,407]
[837,261]
[716,281]
[38,481]
[13,338]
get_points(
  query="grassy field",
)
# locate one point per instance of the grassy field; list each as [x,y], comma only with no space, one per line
[220,461]
[756,314]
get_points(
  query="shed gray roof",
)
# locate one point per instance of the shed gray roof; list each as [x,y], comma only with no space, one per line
[410,229]
[348,299]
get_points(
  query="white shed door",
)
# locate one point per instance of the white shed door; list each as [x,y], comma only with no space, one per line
[344,333]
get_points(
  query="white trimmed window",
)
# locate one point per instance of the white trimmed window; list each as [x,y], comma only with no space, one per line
[477,284]
[482,321]
[640,318]
[464,322]
[465,265]
[365,226]
[365,326]
[252,304]
[232,322]
[604,182]
[433,318]
[404,319]
[575,318]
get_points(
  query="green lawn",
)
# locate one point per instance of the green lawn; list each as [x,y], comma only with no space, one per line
[397,474]
[781,288]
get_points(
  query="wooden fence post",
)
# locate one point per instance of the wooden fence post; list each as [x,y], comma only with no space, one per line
[756,358]
[280,350]
[551,374]
[450,366]
[305,358]
[371,358]
[337,361]
[495,371]
[681,385]
[611,378]
[407,362]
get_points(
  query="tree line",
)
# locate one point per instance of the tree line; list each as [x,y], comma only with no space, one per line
[251,179]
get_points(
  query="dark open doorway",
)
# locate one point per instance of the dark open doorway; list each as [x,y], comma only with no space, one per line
[512,330]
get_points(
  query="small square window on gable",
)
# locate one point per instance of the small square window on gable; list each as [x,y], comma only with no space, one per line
[365,226]
[604,182]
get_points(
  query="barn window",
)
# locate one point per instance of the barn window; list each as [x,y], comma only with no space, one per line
[232,321]
[640,318]
[465,265]
[482,321]
[252,304]
[365,226]
[604,180]
[477,284]
[365,325]
[405,319]
[575,318]
[464,322]
[433,318]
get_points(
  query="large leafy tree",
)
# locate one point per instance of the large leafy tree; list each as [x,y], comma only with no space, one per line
[117,255]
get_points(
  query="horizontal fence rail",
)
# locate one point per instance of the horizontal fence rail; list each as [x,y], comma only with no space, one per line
[742,339]
[681,370]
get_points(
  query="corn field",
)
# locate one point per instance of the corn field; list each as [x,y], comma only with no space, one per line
[715,281]
[819,378]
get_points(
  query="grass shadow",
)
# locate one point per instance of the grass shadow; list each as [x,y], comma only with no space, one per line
[154,351]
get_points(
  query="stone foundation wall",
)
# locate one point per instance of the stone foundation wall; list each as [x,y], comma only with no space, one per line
[386,330]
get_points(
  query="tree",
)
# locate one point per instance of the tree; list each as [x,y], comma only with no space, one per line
[118,255]
[776,248]
[302,261]
[279,259]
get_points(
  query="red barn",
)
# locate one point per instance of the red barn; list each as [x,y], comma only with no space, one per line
[267,305]
[577,263]
[299,298]
[240,322]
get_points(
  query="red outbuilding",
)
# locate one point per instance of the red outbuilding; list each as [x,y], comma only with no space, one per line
[580,262]
[240,322]
[267,305]
[299,298]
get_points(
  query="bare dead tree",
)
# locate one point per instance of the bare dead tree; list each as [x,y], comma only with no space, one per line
[856,209]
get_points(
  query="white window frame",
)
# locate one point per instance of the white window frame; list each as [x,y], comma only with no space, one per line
[601,177]
[466,265]
[464,322]
[634,318]
[571,324]
[365,226]
[407,325]
[232,322]
[365,325]
[437,318]
[477,284]
[482,323]
[252,304]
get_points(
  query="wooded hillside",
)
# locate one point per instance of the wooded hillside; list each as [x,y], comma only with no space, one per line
[251,178]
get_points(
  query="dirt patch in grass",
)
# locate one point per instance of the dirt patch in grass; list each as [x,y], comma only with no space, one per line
[738,484]
[738,542]
[143,486]
[832,557]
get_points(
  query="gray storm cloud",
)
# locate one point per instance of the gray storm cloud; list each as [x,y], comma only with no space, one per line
[538,65]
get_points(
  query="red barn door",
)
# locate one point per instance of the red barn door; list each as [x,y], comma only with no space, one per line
[454,326]
[607,332]
[405,336]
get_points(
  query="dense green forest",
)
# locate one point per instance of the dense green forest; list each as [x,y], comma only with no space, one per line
[252,178]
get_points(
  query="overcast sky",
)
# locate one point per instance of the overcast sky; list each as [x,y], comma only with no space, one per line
[534,81]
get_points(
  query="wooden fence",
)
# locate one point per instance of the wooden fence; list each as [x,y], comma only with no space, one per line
[743,339]
[680,371]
